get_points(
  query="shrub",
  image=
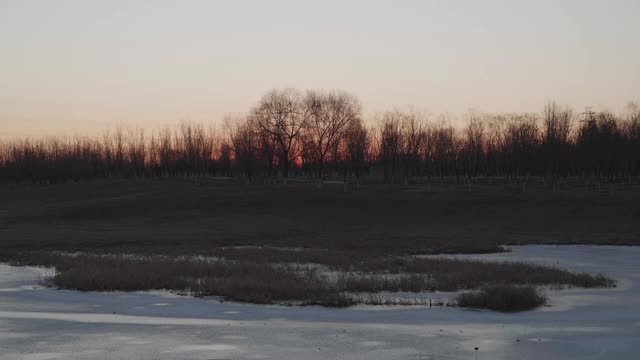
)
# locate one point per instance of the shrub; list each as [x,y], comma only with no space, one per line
[504,298]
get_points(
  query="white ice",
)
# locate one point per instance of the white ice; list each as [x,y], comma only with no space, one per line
[42,323]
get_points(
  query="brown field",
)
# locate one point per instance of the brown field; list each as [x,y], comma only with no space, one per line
[186,216]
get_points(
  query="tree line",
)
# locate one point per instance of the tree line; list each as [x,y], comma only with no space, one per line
[320,134]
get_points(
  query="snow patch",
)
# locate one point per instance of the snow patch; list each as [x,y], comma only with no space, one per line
[198,348]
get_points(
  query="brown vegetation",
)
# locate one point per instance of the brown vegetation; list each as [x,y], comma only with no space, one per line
[504,298]
[265,282]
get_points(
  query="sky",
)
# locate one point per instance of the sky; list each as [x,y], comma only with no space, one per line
[80,66]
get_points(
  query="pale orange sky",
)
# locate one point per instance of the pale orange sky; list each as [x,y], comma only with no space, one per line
[80,66]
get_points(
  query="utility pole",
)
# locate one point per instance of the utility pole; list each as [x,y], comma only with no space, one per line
[588,114]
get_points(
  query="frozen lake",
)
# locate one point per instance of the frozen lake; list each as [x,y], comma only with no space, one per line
[39,323]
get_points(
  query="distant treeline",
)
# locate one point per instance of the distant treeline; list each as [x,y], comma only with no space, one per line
[323,135]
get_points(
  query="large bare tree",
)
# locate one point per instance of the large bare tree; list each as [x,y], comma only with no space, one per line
[330,116]
[282,114]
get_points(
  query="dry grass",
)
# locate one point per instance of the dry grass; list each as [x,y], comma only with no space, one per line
[181,217]
[290,282]
[239,281]
[504,298]
[454,274]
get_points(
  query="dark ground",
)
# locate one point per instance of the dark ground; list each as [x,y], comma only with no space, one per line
[175,216]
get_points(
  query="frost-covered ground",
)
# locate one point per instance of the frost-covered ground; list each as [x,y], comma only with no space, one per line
[40,323]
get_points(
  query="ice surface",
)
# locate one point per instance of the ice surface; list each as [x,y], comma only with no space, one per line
[42,323]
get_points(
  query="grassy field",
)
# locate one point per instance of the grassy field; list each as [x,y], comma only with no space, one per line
[173,216]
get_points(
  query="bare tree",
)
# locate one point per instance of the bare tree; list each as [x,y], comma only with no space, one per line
[166,151]
[445,150]
[357,141]
[473,147]
[136,146]
[555,144]
[415,136]
[390,143]
[633,136]
[330,117]
[194,147]
[600,145]
[119,150]
[521,142]
[282,114]
[244,145]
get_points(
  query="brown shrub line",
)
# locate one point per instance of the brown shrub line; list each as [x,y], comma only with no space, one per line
[504,298]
